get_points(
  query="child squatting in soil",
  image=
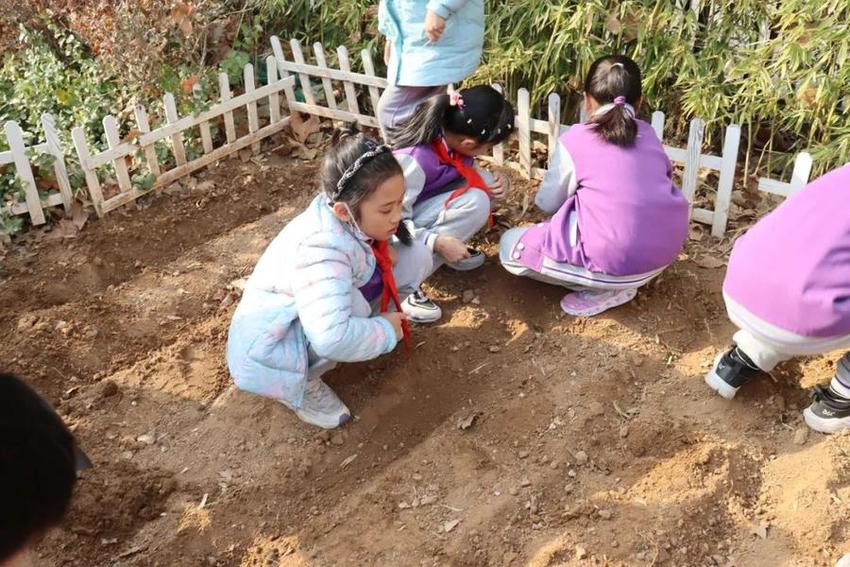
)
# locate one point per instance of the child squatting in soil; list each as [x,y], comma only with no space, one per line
[617,218]
[321,291]
[787,288]
[446,197]
[38,469]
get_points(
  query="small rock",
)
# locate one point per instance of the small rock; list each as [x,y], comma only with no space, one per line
[571,473]
[553,465]
[403,506]
[450,525]
[624,431]
[416,477]
[337,439]
[108,388]
[523,454]
[127,455]
[212,560]
[568,488]
[513,491]
[146,439]
[581,552]
[801,436]
[525,482]
[606,514]
[581,458]
[495,348]
[468,295]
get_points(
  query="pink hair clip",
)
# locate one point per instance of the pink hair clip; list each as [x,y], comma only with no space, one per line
[620,100]
[455,99]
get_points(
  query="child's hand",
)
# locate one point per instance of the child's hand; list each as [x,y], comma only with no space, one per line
[451,248]
[434,26]
[387,53]
[499,189]
[395,320]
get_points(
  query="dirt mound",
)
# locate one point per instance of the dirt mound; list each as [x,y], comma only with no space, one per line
[514,435]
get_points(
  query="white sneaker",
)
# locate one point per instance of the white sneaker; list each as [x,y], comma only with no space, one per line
[476,260]
[321,406]
[420,309]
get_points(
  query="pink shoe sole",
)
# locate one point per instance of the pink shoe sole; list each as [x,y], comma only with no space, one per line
[589,303]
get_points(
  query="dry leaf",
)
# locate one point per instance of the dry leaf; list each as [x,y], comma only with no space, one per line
[131,136]
[450,525]
[760,529]
[709,262]
[348,461]
[79,215]
[188,84]
[466,422]
[301,129]
[305,153]
[613,24]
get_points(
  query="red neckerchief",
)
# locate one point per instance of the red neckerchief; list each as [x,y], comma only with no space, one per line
[472,177]
[381,250]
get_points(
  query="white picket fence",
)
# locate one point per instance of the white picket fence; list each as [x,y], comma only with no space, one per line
[17,155]
[172,132]
[691,157]
[339,94]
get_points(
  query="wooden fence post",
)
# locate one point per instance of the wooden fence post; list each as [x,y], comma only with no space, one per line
[54,148]
[726,182]
[15,138]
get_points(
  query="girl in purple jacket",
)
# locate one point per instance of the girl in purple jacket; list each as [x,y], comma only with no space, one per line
[617,218]
[787,289]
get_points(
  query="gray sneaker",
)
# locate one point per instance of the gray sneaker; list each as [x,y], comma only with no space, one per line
[321,406]
[476,260]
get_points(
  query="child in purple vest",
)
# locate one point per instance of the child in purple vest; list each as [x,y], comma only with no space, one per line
[787,288]
[617,218]
[447,199]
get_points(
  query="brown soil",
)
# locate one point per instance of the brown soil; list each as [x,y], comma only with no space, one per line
[592,441]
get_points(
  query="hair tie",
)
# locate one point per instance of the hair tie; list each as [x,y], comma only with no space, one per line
[351,170]
[456,100]
[620,100]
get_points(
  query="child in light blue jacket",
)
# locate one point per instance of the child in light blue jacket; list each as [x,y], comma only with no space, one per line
[314,296]
[430,44]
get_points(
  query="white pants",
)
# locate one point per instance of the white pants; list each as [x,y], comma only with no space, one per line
[767,345]
[563,274]
[413,265]
[462,218]
[397,104]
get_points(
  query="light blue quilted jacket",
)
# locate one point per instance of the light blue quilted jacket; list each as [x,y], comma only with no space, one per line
[300,295]
[416,63]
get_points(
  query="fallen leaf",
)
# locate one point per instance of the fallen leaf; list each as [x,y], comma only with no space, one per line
[305,153]
[450,525]
[79,215]
[466,422]
[188,84]
[613,24]
[709,262]
[348,461]
[760,529]
[303,128]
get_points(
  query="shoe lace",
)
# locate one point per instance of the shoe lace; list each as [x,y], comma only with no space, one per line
[828,398]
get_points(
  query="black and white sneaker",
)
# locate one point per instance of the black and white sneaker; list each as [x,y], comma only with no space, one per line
[829,413]
[731,370]
[420,309]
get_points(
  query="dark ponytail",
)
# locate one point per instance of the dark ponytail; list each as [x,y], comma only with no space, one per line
[479,112]
[615,79]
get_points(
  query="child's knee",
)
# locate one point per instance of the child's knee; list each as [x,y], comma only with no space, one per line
[476,203]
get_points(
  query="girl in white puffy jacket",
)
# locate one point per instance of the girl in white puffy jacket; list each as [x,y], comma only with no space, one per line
[323,290]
